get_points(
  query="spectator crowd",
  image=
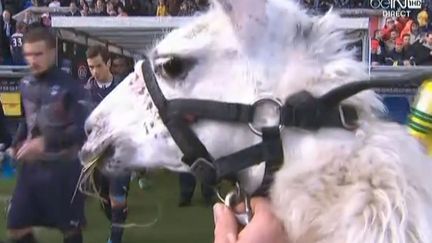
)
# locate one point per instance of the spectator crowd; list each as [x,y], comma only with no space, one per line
[403,41]
[321,6]
[11,31]
[114,7]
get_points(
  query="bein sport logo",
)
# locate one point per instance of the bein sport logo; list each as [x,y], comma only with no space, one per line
[396,8]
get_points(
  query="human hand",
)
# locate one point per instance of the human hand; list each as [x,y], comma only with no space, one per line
[61,155]
[31,149]
[263,228]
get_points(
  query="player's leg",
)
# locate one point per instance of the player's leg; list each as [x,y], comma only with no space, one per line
[65,211]
[71,224]
[208,194]
[24,235]
[72,236]
[102,184]
[119,188]
[187,184]
[21,212]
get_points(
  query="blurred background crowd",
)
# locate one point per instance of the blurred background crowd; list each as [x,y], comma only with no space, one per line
[11,31]
[401,41]
[114,7]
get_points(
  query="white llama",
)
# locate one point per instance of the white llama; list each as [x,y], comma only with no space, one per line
[370,185]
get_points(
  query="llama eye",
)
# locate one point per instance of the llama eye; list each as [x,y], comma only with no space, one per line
[173,67]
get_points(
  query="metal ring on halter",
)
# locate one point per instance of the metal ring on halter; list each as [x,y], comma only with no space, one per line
[235,197]
[262,101]
[220,196]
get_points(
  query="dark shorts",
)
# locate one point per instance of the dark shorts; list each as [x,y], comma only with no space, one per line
[43,194]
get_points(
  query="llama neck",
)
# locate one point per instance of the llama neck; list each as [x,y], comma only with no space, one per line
[312,147]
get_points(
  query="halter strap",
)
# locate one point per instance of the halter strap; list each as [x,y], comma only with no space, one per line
[301,110]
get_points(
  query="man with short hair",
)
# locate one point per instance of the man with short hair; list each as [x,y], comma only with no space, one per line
[391,42]
[7,28]
[398,56]
[422,51]
[100,9]
[102,81]
[46,146]
[114,190]
[73,9]
[406,40]
[120,67]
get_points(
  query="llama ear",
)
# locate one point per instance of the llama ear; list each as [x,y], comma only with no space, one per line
[248,18]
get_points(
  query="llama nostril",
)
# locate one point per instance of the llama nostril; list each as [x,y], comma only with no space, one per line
[87,130]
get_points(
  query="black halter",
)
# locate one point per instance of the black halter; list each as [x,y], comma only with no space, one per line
[300,110]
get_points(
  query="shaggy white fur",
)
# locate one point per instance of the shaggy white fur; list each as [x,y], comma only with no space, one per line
[366,186]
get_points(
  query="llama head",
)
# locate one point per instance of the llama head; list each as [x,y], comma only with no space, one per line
[239,51]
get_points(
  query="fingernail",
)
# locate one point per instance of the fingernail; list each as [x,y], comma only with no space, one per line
[231,238]
[217,210]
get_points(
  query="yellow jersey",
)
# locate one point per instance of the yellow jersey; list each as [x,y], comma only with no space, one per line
[420,118]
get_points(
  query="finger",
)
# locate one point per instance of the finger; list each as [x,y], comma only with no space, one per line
[239,208]
[262,207]
[226,227]
[22,148]
[22,151]
[260,204]
[20,156]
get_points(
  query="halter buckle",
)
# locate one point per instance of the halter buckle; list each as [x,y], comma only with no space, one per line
[276,117]
[344,122]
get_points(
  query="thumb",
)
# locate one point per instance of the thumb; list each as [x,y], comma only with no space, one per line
[226,227]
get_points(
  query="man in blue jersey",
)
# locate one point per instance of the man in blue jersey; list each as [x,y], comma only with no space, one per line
[113,190]
[46,146]
[16,44]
